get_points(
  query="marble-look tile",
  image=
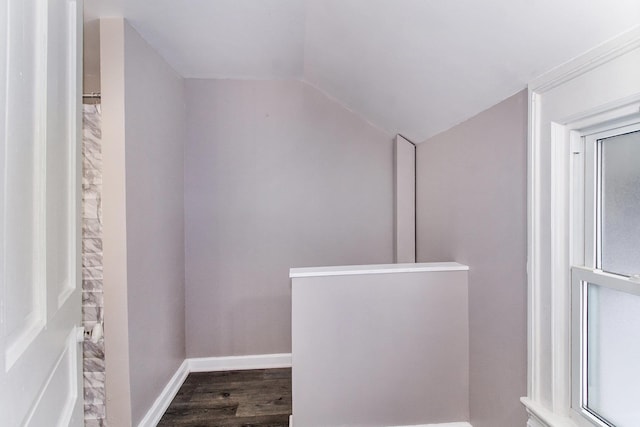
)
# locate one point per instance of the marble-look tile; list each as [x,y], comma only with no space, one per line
[91,191]
[92,161]
[87,186]
[92,259]
[92,121]
[93,364]
[94,411]
[92,299]
[92,273]
[92,285]
[91,209]
[91,245]
[91,176]
[94,379]
[91,137]
[92,314]
[91,350]
[92,228]
[91,144]
[88,327]
[94,395]
[98,422]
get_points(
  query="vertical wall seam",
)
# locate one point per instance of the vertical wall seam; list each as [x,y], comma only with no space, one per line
[415,197]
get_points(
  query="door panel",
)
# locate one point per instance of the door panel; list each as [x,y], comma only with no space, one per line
[56,402]
[25,147]
[40,300]
[62,127]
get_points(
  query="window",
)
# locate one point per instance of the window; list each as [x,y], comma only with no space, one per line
[606,287]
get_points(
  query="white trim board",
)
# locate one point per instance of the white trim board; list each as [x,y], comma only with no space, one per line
[236,363]
[209,364]
[460,424]
[348,270]
[159,407]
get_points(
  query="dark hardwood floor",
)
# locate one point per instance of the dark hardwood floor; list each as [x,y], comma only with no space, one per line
[256,398]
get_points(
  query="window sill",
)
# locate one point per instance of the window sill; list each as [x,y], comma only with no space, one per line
[546,416]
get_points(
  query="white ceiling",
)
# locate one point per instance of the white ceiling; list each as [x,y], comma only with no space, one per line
[415,67]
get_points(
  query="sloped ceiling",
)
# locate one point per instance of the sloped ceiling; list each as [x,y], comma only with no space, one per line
[415,67]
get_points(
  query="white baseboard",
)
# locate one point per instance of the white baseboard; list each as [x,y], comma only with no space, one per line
[161,404]
[209,364]
[463,424]
[235,363]
[229,363]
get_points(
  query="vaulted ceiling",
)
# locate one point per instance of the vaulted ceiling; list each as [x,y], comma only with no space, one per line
[415,67]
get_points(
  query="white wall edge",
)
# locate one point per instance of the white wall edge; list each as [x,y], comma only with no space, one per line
[163,401]
[236,363]
[348,270]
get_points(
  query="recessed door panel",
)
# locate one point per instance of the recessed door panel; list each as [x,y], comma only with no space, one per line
[24,191]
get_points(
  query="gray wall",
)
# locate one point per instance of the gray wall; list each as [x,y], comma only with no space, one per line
[155,136]
[472,209]
[91,56]
[114,236]
[381,349]
[152,216]
[277,176]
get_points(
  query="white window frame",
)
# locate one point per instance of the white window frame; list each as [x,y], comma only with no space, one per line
[570,102]
[581,276]
[586,255]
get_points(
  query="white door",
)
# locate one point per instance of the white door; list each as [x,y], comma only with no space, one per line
[40,283]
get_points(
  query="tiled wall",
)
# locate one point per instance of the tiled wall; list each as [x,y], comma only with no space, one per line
[92,296]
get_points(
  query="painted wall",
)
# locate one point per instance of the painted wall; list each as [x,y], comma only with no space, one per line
[153,108]
[155,133]
[91,56]
[471,205]
[377,348]
[277,176]
[114,226]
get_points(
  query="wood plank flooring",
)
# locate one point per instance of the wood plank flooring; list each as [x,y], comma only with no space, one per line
[255,398]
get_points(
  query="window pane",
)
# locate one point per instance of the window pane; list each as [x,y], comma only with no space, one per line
[613,355]
[621,204]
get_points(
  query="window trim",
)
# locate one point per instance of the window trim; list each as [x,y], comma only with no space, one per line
[567,219]
[567,102]
[587,181]
[565,105]
[580,278]
[586,255]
